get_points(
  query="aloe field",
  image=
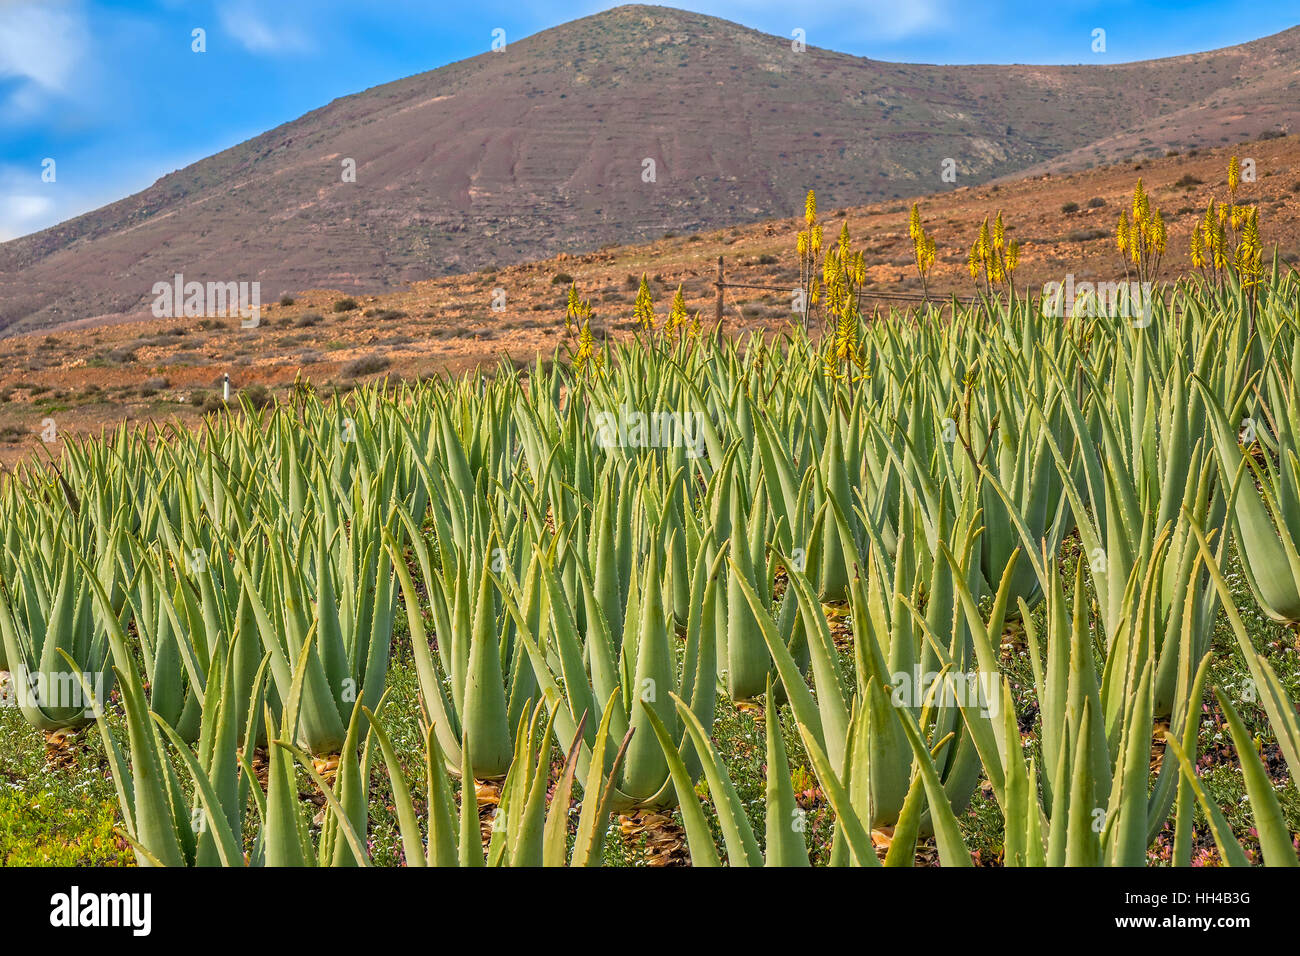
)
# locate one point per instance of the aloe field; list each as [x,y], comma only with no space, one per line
[986,582]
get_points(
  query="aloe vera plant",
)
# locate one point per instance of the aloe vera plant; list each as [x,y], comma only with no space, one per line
[56,643]
[480,685]
[1265,496]
[786,822]
[167,828]
[335,614]
[595,555]
[643,668]
[525,831]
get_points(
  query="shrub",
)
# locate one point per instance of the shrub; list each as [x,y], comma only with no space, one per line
[767,260]
[1187,182]
[561,278]
[309,319]
[1096,202]
[1070,207]
[346,304]
[364,365]
[1086,235]
[258,396]
[286,301]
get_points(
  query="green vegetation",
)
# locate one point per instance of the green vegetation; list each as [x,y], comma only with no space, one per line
[974,584]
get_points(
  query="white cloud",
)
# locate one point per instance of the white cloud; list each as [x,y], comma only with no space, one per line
[41,45]
[256,34]
[22,214]
[29,204]
[895,21]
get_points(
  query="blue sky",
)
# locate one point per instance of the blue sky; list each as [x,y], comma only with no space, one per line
[111,91]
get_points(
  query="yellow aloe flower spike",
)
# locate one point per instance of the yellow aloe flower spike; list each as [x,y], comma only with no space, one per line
[928,254]
[1160,234]
[644,310]
[571,308]
[1139,204]
[1198,247]
[677,314]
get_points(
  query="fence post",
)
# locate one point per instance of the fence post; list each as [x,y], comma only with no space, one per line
[717,308]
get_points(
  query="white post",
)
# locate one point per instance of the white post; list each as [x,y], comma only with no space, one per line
[225,387]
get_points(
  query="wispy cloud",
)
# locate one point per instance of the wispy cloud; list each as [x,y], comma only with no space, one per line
[21,214]
[895,21]
[257,34]
[41,44]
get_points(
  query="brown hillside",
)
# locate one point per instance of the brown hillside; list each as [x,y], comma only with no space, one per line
[508,157]
[91,375]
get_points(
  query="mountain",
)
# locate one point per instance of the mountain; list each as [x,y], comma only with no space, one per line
[541,149]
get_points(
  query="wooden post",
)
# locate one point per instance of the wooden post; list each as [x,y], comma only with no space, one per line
[717,309]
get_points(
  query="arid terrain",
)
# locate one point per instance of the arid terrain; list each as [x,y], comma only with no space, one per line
[540,149]
[93,375]
[528,517]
